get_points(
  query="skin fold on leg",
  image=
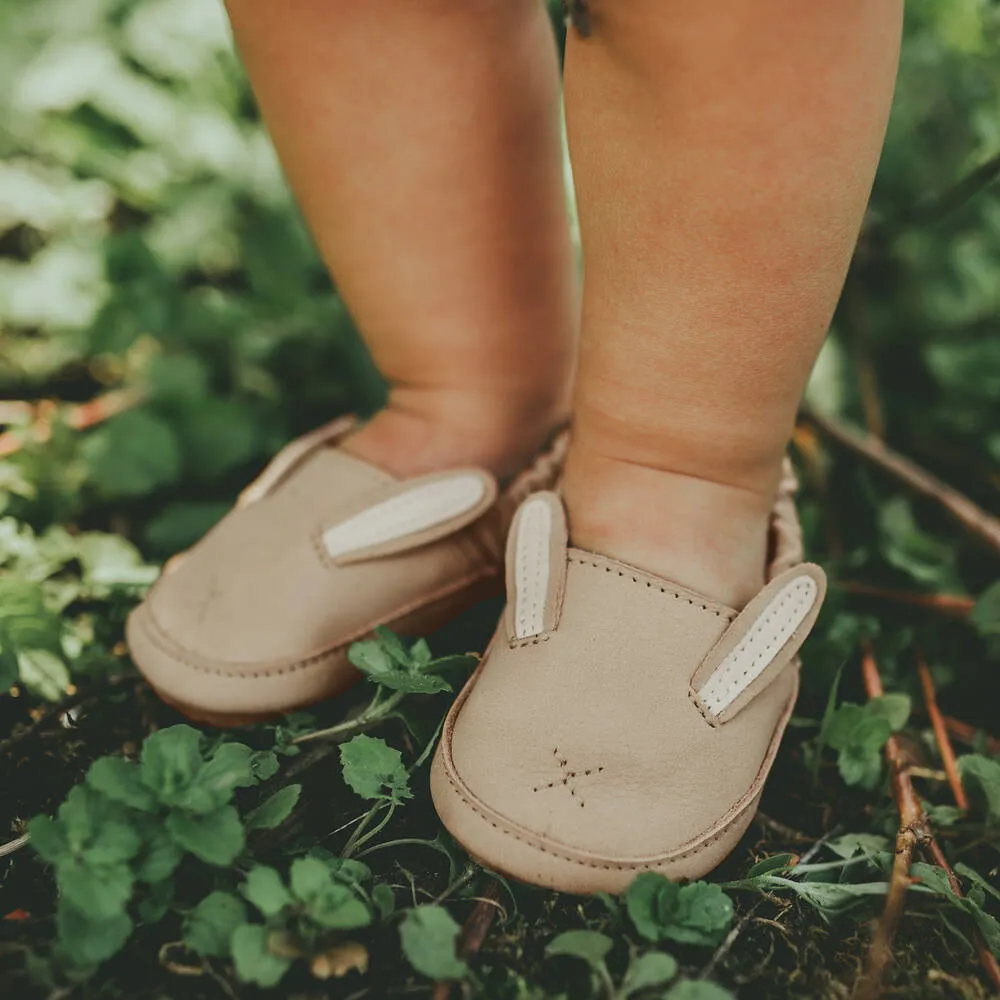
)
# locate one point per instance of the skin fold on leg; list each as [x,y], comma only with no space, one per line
[421,138]
[723,155]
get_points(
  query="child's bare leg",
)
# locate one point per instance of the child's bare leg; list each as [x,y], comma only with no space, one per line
[723,154]
[421,138]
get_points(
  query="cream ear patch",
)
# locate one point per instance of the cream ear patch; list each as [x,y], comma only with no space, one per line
[412,511]
[764,640]
[531,568]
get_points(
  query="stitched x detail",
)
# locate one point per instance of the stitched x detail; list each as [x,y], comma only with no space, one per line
[568,777]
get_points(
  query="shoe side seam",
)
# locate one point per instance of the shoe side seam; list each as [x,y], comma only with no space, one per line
[159,639]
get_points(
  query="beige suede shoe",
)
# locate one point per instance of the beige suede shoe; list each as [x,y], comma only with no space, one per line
[256,619]
[619,723]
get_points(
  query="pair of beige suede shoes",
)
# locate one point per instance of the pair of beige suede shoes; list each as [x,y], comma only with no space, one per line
[618,723]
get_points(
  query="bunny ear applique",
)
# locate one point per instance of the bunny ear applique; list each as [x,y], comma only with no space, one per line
[536,568]
[409,514]
[761,641]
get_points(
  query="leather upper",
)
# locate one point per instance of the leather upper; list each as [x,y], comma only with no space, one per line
[321,548]
[620,722]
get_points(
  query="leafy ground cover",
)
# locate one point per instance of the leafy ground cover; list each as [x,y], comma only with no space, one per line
[165,326]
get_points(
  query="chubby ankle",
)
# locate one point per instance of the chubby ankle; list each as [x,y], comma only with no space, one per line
[702,534]
[416,434]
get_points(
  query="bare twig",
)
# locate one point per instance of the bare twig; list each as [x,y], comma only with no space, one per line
[969,515]
[79,416]
[474,932]
[913,828]
[914,831]
[951,605]
[14,845]
[964,191]
[969,735]
[941,732]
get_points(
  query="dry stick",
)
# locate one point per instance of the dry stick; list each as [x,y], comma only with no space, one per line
[914,830]
[952,605]
[969,734]
[941,733]
[79,416]
[968,514]
[473,933]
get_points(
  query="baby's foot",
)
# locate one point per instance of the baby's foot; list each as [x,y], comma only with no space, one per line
[705,535]
[418,433]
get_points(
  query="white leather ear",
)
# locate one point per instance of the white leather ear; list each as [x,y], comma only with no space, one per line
[536,566]
[417,512]
[769,631]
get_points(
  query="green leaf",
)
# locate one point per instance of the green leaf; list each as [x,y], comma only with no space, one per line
[253,961]
[590,946]
[697,913]
[48,839]
[776,862]
[985,616]
[308,878]
[101,891]
[982,774]
[652,969]
[132,454]
[703,915]
[274,811]
[170,760]
[209,927]
[86,940]
[384,900]
[43,671]
[385,661]
[265,889]
[894,708]
[111,843]
[697,989]
[215,837]
[860,766]
[374,770]
[229,768]
[429,936]
[121,781]
[927,559]
[648,898]
[216,435]
[160,856]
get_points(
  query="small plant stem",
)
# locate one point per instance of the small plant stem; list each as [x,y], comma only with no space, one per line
[359,837]
[465,878]
[941,733]
[951,605]
[969,515]
[374,712]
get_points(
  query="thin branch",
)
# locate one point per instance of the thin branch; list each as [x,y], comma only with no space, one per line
[473,932]
[955,197]
[969,515]
[970,735]
[941,733]
[79,416]
[913,828]
[952,605]
[14,845]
